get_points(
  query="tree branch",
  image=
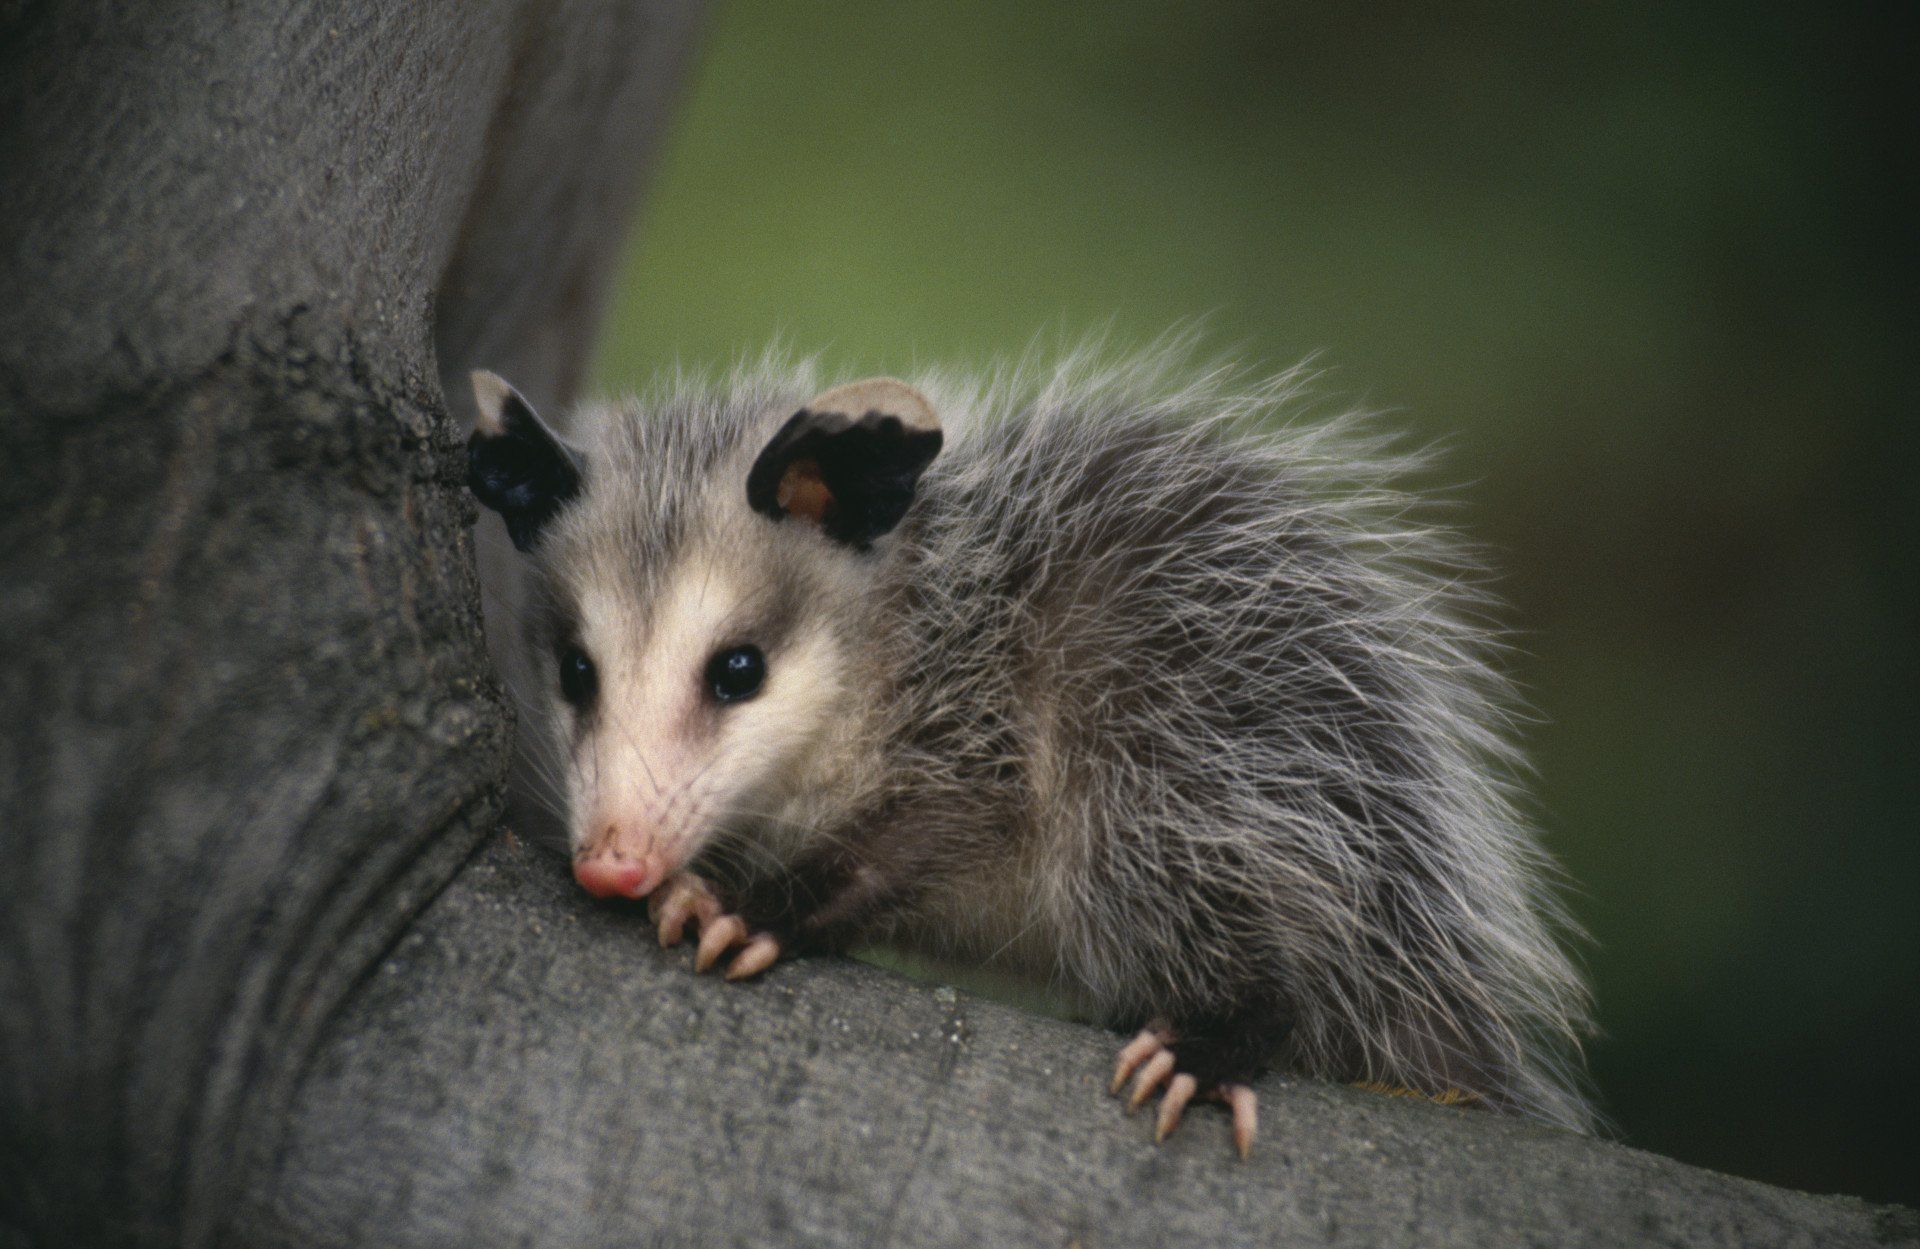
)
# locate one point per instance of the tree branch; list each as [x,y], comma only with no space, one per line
[528,1067]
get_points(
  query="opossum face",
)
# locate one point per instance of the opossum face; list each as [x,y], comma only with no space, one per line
[700,615]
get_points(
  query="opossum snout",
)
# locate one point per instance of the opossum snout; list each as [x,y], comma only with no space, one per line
[616,878]
[609,871]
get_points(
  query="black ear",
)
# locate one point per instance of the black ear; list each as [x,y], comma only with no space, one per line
[514,463]
[848,461]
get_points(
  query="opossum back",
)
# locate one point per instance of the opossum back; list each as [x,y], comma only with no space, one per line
[1250,691]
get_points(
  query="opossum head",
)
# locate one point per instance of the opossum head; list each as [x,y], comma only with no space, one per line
[701,611]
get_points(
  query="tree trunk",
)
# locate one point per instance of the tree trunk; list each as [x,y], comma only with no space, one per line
[251,724]
[253,732]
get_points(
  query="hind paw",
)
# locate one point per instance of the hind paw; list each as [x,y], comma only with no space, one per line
[1152,1063]
[685,898]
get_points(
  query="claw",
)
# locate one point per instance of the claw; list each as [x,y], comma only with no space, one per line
[1246,1116]
[1132,1055]
[1180,1091]
[760,953]
[716,938]
[673,914]
[1157,1069]
[681,898]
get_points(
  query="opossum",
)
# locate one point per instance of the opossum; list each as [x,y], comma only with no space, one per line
[1124,678]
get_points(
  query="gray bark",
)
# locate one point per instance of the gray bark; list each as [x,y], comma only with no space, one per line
[251,727]
[252,733]
[528,1068]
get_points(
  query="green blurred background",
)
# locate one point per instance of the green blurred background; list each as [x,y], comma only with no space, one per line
[1637,264]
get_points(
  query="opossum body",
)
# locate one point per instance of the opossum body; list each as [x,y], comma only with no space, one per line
[1113,677]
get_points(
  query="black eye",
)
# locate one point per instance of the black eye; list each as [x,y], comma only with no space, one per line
[577,680]
[736,673]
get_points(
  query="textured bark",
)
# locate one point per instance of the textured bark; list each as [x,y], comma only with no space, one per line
[252,733]
[251,723]
[528,1068]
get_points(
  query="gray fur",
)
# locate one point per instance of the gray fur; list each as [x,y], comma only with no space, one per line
[1165,696]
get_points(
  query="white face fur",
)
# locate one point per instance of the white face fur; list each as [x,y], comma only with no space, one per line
[702,649]
[710,709]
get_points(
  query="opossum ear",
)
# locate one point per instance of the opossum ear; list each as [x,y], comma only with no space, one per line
[848,461]
[514,463]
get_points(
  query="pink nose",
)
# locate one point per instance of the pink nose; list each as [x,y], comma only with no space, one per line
[607,877]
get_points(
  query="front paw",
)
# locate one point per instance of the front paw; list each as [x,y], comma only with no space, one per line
[685,897]
[1152,1055]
